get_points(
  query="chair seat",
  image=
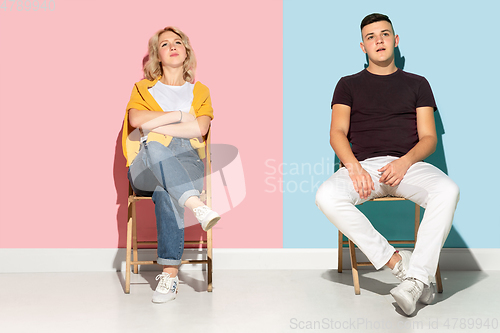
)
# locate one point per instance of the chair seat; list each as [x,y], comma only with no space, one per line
[134,196]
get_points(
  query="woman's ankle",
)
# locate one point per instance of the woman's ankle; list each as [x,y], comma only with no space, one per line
[172,270]
[193,202]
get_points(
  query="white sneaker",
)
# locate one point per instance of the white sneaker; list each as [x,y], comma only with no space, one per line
[400,270]
[407,294]
[428,294]
[207,217]
[402,266]
[166,289]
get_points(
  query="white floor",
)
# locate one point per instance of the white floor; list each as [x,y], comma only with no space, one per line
[242,301]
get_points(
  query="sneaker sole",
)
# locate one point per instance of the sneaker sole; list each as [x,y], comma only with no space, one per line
[402,300]
[161,301]
[211,223]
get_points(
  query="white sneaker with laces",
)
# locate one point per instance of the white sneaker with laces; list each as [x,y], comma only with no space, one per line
[407,294]
[167,288]
[402,266]
[400,270]
[428,294]
[207,217]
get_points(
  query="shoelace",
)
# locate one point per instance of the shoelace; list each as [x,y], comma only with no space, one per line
[401,271]
[201,211]
[164,281]
[414,289]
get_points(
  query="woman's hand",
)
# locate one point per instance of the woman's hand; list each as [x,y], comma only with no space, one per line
[393,173]
[361,179]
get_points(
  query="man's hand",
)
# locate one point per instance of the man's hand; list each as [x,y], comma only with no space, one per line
[393,173]
[361,179]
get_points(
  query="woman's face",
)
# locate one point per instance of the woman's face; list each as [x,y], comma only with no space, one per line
[171,50]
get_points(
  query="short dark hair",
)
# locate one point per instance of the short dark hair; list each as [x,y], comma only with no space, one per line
[375,17]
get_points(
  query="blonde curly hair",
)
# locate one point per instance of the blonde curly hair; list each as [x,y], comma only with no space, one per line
[153,69]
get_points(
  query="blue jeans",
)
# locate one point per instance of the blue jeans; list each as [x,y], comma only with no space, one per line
[170,175]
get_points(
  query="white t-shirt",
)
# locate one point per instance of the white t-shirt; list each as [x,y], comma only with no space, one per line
[173,98]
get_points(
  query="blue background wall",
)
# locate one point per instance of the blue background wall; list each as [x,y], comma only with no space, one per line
[454,44]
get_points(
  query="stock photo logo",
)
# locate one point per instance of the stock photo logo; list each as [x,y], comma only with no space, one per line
[297,177]
[28,5]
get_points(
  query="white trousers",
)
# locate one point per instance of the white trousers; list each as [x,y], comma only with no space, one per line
[423,184]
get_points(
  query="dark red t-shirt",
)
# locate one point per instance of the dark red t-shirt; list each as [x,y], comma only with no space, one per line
[383,111]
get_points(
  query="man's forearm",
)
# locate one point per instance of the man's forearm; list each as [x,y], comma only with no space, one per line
[342,148]
[423,149]
[361,180]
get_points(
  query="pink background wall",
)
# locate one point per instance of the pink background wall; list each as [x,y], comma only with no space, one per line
[65,79]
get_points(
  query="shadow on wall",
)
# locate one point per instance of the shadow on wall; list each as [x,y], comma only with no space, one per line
[394,220]
[227,169]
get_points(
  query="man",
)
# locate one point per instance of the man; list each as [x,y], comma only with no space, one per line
[382,128]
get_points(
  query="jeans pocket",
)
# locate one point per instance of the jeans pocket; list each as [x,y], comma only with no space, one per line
[194,153]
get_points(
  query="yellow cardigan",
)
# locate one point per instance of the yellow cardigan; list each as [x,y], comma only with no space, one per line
[141,99]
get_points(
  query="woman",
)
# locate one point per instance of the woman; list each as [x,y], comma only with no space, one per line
[166,118]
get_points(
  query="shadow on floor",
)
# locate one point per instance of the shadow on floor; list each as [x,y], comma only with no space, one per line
[149,277]
[366,283]
[451,284]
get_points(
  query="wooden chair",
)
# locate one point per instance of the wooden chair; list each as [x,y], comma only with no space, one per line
[352,247]
[132,242]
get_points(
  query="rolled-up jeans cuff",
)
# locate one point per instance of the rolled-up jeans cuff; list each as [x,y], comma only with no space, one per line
[168,262]
[187,195]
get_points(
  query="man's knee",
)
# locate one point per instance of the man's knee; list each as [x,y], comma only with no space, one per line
[322,194]
[455,192]
[447,192]
[451,190]
[328,194]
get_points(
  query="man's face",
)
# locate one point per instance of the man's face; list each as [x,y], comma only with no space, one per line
[379,42]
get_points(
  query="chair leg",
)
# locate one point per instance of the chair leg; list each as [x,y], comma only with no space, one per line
[208,186]
[341,249]
[417,220]
[439,282]
[134,237]
[209,259]
[354,264]
[129,247]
